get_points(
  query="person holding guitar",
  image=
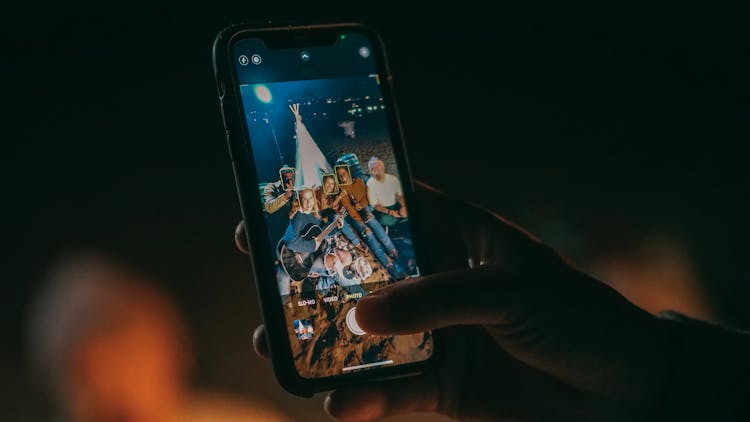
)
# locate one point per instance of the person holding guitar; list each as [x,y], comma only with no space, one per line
[304,215]
[304,235]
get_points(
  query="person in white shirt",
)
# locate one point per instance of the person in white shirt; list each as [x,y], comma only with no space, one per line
[385,195]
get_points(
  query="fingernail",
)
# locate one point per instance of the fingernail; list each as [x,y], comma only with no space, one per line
[372,313]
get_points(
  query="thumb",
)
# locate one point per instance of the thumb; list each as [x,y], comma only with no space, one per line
[479,296]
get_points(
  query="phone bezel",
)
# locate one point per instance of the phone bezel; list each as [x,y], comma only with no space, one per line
[247,187]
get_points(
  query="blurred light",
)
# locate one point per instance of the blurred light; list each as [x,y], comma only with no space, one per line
[263,94]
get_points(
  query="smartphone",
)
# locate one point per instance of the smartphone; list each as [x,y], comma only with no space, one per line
[326,196]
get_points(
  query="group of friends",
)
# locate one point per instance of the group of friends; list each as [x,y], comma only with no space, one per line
[345,209]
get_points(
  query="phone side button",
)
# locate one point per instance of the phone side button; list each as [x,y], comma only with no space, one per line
[229,144]
[221,89]
[223,116]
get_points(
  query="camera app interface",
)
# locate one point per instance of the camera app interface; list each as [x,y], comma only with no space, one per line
[331,194]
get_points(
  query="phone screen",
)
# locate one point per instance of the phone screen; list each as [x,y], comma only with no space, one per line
[331,193]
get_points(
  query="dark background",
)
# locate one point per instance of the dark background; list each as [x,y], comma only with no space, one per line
[588,125]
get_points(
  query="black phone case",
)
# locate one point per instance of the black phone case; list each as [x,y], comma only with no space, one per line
[246,180]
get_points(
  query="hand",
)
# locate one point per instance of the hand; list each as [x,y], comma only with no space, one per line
[366,231]
[525,335]
[402,212]
[394,213]
[295,110]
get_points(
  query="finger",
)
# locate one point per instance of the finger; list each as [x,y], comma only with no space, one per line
[426,303]
[417,394]
[488,295]
[260,341]
[240,238]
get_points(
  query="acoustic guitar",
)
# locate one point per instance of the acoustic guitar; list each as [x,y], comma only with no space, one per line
[297,264]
